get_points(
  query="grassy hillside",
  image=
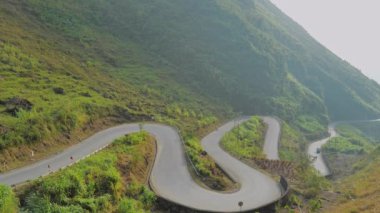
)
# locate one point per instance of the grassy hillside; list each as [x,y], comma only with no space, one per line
[71,67]
[342,152]
[55,88]
[361,191]
[171,60]
[227,50]
[113,180]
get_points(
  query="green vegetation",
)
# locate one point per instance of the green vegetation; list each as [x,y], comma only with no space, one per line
[342,152]
[351,141]
[102,59]
[305,181]
[257,49]
[50,114]
[342,145]
[53,88]
[111,180]
[291,142]
[311,127]
[309,182]
[67,65]
[194,150]
[369,129]
[8,201]
[360,192]
[247,139]
[211,175]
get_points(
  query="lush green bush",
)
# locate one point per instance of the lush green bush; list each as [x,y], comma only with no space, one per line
[247,139]
[342,145]
[195,152]
[129,206]
[8,201]
[351,141]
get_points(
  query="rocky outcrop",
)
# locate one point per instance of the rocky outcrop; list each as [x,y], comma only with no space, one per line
[15,104]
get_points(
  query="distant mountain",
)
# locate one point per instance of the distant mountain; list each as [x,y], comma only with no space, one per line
[175,60]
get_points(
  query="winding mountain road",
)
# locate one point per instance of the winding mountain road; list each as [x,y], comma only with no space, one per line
[170,177]
[318,161]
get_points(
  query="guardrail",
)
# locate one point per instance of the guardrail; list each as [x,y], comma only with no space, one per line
[284,186]
[186,153]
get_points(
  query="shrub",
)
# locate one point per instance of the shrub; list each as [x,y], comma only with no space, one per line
[246,140]
[343,145]
[128,205]
[8,201]
[147,197]
[38,204]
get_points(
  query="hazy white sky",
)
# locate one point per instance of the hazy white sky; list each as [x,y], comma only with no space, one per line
[349,28]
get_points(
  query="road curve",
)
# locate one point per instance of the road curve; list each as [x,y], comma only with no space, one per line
[170,177]
[317,160]
[272,138]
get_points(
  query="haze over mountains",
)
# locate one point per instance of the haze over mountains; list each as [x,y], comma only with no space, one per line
[349,32]
[247,53]
[69,68]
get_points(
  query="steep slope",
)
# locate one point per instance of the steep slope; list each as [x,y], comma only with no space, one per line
[174,60]
[361,191]
[246,53]
[53,89]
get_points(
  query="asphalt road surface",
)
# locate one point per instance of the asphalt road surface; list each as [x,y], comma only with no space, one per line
[272,137]
[170,177]
[317,159]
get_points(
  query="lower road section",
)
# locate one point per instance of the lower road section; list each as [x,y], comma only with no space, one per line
[315,148]
[315,152]
[170,178]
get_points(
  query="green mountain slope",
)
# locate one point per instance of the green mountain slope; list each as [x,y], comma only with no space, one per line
[53,87]
[182,62]
[361,191]
[246,53]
